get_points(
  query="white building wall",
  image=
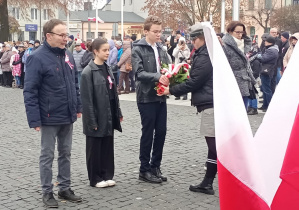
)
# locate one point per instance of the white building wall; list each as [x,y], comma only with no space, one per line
[129,6]
[27,20]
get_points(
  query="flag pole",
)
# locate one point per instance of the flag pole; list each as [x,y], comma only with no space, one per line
[97,24]
[222,16]
[122,19]
[236,9]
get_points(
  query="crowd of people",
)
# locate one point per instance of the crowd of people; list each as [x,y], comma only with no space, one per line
[68,78]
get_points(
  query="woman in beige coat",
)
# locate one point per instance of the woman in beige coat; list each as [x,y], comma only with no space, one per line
[293,40]
[124,74]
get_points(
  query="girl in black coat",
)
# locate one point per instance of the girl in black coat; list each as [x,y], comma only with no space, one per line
[101,115]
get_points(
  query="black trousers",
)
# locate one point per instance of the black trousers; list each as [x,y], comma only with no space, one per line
[153,120]
[212,157]
[22,77]
[7,78]
[99,158]
[273,81]
[1,79]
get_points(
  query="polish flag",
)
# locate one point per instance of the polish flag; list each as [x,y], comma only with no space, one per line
[251,169]
[93,19]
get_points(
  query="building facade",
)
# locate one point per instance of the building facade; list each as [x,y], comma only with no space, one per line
[79,24]
[30,22]
[129,6]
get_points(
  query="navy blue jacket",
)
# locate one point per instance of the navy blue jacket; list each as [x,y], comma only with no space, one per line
[51,92]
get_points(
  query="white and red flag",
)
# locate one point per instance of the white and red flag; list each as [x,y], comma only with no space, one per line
[255,172]
[93,19]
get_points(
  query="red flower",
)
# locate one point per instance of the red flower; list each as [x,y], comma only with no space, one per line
[186,65]
[174,73]
[169,76]
[160,90]
[172,66]
[188,76]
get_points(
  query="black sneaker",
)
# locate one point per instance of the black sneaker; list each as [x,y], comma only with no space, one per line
[185,97]
[69,195]
[177,98]
[157,172]
[253,112]
[49,200]
[149,177]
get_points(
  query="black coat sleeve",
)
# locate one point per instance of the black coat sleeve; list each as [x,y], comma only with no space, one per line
[33,80]
[137,65]
[86,89]
[202,70]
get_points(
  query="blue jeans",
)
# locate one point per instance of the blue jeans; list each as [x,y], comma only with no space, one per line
[153,119]
[49,134]
[18,81]
[246,101]
[253,103]
[267,91]
[116,77]
[278,76]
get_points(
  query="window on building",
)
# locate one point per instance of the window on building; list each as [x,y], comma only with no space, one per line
[250,4]
[16,13]
[268,4]
[124,2]
[131,2]
[295,2]
[46,14]
[34,14]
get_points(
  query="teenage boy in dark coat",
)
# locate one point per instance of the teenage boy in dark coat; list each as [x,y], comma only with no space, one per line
[147,56]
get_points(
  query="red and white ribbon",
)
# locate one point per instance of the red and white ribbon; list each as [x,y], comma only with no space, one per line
[110,82]
[67,60]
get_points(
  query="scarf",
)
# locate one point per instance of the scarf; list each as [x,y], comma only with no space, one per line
[240,43]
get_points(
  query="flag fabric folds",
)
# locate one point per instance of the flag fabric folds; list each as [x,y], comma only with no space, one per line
[249,168]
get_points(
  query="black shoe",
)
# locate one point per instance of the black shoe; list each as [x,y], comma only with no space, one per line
[252,112]
[177,98]
[263,109]
[206,186]
[21,87]
[249,109]
[132,91]
[261,101]
[69,195]
[149,177]
[49,200]
[157,172]
[185,97]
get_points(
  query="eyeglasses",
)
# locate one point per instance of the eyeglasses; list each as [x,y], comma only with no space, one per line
[239,32]
[156,32]
[61,35]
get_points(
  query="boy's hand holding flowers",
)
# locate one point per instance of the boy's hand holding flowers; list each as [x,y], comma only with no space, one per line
[164,80]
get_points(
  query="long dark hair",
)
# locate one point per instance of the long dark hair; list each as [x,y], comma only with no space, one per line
[97,43]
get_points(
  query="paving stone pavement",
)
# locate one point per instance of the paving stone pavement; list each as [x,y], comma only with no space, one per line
[184,156]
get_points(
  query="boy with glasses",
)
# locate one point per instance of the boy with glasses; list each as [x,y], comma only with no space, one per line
[147,57]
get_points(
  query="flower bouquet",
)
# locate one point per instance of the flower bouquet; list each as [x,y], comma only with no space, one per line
[176,74]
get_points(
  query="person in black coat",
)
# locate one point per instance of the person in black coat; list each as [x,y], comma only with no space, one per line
[285,46]
[101,115]
[200,85]
[269,61]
